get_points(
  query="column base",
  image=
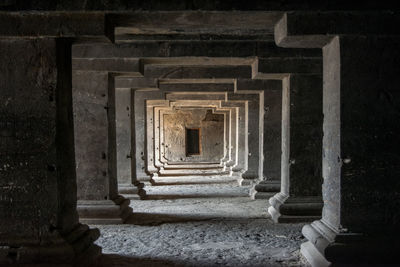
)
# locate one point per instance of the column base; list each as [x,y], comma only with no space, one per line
[326,247]
[104,211]
[144,179]
[131,191]
[265,189]
[286,209]
[230,163]
[76,248]
[245,182]
[248,178]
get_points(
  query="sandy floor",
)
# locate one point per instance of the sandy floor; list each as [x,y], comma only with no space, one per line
[179,226]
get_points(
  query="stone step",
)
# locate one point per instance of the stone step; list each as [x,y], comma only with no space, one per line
[184,172]
[171,180]
[193,166]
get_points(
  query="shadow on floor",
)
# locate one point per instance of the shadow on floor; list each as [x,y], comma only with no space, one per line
[114,260]
[153,219]
[177,196]
[165,183]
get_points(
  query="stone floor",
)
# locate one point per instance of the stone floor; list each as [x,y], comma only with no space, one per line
[200,225]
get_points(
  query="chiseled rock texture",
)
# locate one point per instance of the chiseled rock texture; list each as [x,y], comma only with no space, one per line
[28,153]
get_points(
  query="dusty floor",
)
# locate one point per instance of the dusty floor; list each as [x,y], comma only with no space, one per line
[180,226]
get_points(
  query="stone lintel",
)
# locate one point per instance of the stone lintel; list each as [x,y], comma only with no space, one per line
[316,29]
[55,24]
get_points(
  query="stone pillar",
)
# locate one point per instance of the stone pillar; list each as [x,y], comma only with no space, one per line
[361,151]
[140,98]
[361,158]
[271,183]
[253,135]
[128,185]
[255,143]
[95,149]
[38,222]
[300,196]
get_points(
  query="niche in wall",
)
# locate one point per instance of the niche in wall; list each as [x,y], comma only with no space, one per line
[193,141]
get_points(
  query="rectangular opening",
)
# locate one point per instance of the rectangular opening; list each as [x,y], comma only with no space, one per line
[193,141]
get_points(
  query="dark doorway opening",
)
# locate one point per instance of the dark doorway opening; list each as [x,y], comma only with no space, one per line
[193,136]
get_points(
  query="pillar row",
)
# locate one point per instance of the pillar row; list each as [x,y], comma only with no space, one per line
[95,149]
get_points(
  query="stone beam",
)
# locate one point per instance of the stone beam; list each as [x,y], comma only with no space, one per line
[55,24]
[196,22]
[316,29]
[189,48]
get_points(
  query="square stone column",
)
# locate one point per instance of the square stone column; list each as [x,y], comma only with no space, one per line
[300,196]
[361,156]
[128,185]
[271,183]
[38,222]
[95,149]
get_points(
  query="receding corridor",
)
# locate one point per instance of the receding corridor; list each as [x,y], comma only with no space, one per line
[199,133]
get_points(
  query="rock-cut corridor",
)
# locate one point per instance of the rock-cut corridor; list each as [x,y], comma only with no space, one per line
[200,225]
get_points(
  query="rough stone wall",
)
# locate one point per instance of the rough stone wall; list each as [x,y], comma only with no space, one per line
[305,135]
[374,169]
[211,130]
[29,167]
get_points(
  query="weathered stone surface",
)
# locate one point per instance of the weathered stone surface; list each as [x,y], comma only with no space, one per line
[211,135]
[90,94]
[290,65]
[38,186]
[104,211]
[359,103]
[189,5]
[189,49]
[265,189]
[302,144]
[272,148]
[193,72]
[54,24]
[130,65]
[166,138]
[123,135]
[95,147]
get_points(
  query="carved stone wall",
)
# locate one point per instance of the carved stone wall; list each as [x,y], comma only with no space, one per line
[211,135]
